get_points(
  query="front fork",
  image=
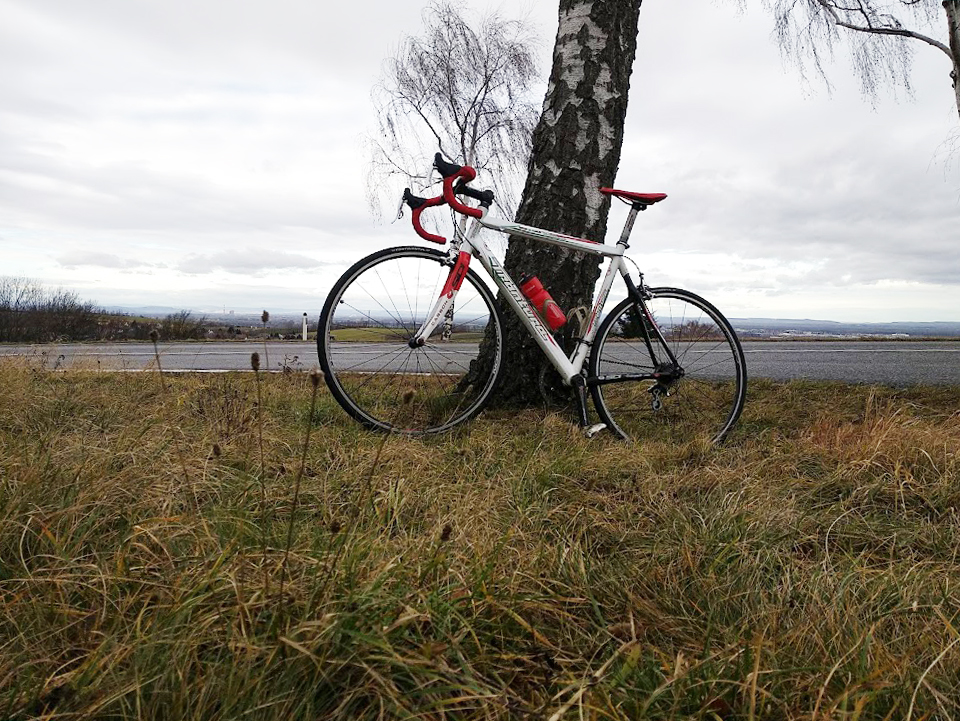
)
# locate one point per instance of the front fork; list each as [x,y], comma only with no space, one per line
[443,309]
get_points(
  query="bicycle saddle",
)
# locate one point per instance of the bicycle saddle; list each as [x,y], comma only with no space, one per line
[643,199]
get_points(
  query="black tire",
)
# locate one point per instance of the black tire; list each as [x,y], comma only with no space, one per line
[372,372]
[701,399]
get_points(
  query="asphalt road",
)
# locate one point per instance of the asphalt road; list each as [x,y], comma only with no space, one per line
[892,363]
[193,356]
[895,363]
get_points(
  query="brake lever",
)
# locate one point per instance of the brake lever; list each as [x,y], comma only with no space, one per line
[426,177]
[403,201]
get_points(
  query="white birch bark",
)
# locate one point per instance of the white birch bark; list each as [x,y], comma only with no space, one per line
[952,8]
[576,151]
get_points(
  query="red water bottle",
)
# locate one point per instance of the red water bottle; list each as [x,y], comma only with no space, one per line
[535,292]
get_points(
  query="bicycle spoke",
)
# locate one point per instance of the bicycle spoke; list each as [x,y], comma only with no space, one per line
[379,323]
[399,316]
[701,396]
[390,292]
[356,367]
[370,375]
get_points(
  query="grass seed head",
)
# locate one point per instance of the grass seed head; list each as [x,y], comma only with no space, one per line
[408,396]
[154,335]
[265,317]
[255,361]
[316,376]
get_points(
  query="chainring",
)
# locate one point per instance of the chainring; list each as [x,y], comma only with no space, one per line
[554,393]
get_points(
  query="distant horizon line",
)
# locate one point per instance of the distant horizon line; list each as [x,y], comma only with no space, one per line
[143,309]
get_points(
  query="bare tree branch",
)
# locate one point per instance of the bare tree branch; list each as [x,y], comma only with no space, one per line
[463,89]
[830,8]
[878,37]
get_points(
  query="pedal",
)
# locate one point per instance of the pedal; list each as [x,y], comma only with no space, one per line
[591,431]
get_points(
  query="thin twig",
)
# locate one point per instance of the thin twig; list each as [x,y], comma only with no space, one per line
[255,365]
[590,682]
[315,377]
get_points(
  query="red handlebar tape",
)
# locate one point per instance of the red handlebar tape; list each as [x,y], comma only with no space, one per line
[419,228]
[468,174]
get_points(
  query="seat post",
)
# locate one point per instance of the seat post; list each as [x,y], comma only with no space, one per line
[628,226]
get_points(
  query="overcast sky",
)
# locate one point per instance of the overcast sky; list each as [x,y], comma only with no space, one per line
[208,155]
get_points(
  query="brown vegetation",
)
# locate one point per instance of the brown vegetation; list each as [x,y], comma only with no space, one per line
[154,563]
[30,313]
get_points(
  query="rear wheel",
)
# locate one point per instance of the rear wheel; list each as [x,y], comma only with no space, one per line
[370,315]
[677,372]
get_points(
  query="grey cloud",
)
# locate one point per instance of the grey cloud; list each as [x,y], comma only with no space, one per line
[250,261]
[77,258]
[793,193]
[853,213]
[857,193]
[303,36]
[129,196]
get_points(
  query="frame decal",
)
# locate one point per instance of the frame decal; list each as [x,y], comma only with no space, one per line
[471,243]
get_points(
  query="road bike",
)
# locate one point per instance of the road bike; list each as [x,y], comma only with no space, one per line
[410,338]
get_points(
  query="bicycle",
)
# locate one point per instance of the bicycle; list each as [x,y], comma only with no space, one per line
[410,338]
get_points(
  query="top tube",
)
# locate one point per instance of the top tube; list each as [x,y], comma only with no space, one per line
[547,236]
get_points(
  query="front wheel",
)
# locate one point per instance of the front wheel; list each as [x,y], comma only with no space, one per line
[671,367]
[370,315]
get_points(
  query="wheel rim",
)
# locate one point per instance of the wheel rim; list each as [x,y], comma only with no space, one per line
[376,375]
[701,399]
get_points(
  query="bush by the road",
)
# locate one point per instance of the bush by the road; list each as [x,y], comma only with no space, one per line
[30,313]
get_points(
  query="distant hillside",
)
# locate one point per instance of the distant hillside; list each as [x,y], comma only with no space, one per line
[239,316]
[806,327]
[755,327]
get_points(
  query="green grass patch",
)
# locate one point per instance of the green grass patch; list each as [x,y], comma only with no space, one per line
[806,569]
[392,335]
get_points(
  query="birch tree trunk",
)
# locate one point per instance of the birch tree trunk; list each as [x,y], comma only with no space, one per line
[952,8]
[576,151]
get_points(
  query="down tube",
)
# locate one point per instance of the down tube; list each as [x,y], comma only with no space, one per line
[525,313]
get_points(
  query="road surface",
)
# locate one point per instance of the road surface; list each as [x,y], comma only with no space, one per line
[897,363]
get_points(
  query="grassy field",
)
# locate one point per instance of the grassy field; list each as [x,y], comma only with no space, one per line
[391,335]
[178,548]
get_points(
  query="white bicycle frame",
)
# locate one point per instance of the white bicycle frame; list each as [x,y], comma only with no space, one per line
[471,244]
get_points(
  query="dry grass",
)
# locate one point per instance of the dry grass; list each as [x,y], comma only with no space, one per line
[807,569]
